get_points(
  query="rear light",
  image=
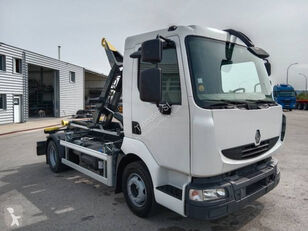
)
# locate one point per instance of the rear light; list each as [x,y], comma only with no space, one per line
[283,127]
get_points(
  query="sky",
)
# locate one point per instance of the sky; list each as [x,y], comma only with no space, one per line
[278,26]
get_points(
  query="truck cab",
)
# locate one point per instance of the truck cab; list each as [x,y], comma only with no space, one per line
[285,95]
[199,125]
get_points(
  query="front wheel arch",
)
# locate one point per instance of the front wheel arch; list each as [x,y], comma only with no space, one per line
[138,190]
[123,161]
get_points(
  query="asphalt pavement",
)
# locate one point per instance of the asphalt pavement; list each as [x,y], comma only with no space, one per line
[42,200]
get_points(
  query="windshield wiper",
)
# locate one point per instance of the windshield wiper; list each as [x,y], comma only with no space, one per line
[262,101]
[236,102]
[247,104]
[226,104]
[221,105]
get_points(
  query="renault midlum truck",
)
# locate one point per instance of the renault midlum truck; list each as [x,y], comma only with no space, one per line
[198,129]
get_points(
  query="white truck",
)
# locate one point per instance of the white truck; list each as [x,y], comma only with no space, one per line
[198,129]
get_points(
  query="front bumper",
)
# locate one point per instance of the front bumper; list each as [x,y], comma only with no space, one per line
[288,105]
[242,186]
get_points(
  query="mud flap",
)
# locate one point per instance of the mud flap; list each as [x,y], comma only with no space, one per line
[41,148]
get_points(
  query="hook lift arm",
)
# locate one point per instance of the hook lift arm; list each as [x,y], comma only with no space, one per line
[112,90]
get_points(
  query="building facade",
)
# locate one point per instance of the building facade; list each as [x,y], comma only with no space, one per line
[34,85]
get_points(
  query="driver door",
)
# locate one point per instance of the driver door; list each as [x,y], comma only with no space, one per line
[165,135]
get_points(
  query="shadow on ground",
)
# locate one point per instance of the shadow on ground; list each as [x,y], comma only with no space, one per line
[72,201]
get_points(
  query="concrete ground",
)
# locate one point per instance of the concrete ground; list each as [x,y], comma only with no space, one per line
[72,201]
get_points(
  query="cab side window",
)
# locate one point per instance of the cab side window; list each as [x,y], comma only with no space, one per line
[171,86]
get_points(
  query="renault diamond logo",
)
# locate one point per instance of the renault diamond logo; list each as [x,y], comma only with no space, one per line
[258,137]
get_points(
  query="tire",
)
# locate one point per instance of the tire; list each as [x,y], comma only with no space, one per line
[137,187]
[54,158]
[297,106]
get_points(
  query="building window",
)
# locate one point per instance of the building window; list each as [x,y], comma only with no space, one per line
[72,77]
[171,86]
[3,101]
[17,65]
[2,63]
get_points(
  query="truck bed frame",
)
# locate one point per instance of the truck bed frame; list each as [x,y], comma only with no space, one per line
[92,146]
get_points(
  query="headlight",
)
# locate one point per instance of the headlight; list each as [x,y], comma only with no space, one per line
[207,194]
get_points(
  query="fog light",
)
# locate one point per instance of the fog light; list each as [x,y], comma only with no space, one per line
[207,194]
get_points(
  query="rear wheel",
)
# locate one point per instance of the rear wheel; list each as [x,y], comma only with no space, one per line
[54,158]
[138,189]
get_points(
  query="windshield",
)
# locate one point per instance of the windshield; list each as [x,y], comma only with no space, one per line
[222,71]
[286,93]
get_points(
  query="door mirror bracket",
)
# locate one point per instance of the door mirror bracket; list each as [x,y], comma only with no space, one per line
[268,67]
[165,108]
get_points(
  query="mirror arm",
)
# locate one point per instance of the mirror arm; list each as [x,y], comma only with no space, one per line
[169,42]
[267,66]
[136,54]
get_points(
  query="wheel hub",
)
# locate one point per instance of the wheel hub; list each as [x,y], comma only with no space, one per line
[52,156]
[136,190]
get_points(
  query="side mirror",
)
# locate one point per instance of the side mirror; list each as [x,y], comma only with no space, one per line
[151,51]
[150,85]
[268,67]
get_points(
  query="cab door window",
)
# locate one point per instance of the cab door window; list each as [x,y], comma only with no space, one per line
[171,86]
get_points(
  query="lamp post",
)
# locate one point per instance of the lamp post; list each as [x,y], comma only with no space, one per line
[288,71]
[59,52]
[306,80]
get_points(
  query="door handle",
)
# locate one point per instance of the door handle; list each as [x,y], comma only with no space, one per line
[136,129]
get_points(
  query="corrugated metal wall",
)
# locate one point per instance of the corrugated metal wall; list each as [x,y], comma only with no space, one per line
[71,94]
[10,83]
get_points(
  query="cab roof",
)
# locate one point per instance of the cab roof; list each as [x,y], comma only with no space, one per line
[182,32]
[283,86]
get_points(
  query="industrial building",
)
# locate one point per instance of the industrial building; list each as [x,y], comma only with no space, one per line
[33,85]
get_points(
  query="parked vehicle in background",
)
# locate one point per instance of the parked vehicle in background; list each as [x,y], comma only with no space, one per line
[302,101]
[285,95]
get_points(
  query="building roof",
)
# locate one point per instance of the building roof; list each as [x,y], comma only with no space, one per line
[25,50]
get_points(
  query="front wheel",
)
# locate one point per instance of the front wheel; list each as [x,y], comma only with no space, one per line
[138,189]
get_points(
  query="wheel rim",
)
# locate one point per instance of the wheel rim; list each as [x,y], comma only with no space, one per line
[136,190]
[52,155]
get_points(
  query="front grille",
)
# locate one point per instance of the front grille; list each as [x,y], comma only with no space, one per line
[250,189]
[286,101]
[250,150]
